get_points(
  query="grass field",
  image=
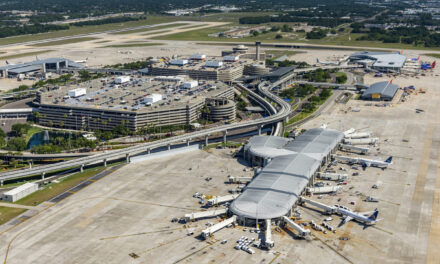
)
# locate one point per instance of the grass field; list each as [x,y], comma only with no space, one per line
[149,29]
[64,42]
[133,45]
[435,55]
[55,189]
[151,20]
[33,130]
[24,54]
[154,33]
[339,40]
[7,213]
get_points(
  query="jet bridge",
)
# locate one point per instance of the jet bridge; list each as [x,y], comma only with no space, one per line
[326,208]
[268,242]
[358,135]
[221,199]
[233,179]
[301,231]
[205,214]
[332,176]
[361,141]
[350,148]
[212,229]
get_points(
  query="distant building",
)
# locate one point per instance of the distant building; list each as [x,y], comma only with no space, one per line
[381,91]
[38,66]
[381,61]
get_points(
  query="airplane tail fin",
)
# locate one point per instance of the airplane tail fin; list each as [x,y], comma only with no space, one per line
[433,65]
[7,62]
[389,160]
[374,215]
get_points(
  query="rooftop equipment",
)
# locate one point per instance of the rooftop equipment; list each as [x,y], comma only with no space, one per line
[77,92]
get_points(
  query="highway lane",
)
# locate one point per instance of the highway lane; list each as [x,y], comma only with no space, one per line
[275,117]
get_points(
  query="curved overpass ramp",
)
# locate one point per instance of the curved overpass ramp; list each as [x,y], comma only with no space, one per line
[276,115]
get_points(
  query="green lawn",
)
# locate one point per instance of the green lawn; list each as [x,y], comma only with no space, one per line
[227,145]
[339,40]
[55,189]
[435,55]
[154,33]
[149,29]
[298,117]
[229,17]
[131,45]
[64,42]
[151,20]
[7,213]
[33,130]
[24,54]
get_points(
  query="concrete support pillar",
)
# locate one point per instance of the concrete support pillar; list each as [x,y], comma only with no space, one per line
[259,129]
[169,146]
[149,151]
[30,164]
[224,136]
[206,140]
[1,183]
[127,157]
[187,142]
[81,169]
[58,67]
[42,175]
[105,162]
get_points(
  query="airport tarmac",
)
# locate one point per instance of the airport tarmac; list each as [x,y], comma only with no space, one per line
[409,192]
[130,210]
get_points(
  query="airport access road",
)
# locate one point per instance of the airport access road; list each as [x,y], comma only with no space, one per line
[275,116]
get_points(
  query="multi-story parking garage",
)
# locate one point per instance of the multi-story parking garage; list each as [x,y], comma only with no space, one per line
[289,166]
[134,104]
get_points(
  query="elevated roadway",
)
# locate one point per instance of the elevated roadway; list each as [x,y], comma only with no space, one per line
[276,115]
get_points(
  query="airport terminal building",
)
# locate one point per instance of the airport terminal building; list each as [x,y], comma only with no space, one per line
[380,61]
[288,168]
[55,65]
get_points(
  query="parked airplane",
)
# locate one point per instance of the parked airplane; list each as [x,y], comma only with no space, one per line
[82,61]
[427,66]
[327,62]
[368,218]
[366,162]
[416,59]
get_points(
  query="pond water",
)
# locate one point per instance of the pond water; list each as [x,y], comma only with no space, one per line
[43,138]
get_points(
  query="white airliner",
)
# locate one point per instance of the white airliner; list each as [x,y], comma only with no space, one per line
[82,61]
[366,162]
[368,218]
[327,62]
